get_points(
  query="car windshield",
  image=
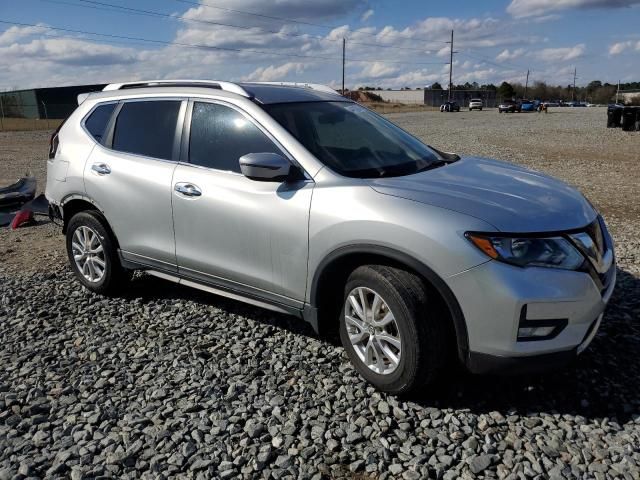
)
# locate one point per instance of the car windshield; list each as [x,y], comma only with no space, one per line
[352,140]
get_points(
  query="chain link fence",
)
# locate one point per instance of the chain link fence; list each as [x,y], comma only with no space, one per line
[32,116]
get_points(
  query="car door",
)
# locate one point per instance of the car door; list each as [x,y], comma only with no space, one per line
[245,235]
[128,175]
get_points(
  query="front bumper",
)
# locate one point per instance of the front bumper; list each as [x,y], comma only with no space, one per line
[483,363]
[493,297]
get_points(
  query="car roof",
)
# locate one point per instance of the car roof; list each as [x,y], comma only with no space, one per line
[267,94]
[260,92]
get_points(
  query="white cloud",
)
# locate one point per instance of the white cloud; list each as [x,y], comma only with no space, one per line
[367,15]
[272,72]
[529,8]
[562,54]
[507,54]
[15,33]
[32,56]
[68,51]
[618,48]
[317,11]
[379,70]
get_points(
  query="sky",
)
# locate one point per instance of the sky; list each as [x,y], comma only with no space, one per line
[390,44]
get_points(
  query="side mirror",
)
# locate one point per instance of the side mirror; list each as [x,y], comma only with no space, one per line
[265,167]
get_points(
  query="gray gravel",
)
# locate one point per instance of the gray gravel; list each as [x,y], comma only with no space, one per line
[166,381]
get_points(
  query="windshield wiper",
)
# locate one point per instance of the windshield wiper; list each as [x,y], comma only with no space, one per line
[446,156]
[435,164]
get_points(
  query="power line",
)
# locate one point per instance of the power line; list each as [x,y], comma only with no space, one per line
[484,58]
[293,20]
[210,47]
[96,5]
[254,14]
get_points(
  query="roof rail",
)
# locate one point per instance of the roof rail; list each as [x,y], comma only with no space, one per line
[226,86]
[313,86]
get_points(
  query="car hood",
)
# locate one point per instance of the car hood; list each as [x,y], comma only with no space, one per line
[511,198]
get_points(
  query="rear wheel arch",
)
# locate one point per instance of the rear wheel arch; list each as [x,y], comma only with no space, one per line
[77,204]
[331,275]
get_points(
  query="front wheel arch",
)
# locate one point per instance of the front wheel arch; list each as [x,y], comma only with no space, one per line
[331,274]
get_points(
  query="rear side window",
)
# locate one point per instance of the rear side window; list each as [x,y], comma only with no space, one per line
[220,136]
[97,122]
[147,128]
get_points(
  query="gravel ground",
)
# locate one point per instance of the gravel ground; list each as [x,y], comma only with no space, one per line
[168,382]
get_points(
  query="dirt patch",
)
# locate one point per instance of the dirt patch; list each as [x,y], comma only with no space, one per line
[573,145]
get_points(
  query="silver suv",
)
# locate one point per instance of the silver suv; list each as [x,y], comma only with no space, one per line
[295,199]
[475,104]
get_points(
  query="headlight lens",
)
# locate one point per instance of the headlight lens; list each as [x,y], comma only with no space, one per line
[553,252]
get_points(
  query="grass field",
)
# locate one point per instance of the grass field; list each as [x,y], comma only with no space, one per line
[22,124]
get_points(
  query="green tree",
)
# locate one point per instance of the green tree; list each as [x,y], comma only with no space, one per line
[505,90]
[436,86]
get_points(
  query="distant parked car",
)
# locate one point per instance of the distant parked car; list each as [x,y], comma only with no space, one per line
[528,106]
[450,107]
[551,104]
[475,104]
[509,106]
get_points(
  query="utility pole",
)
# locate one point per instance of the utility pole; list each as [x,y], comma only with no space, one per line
[618,92]
[344,48]
[573,92]
[526,85]
[451,67]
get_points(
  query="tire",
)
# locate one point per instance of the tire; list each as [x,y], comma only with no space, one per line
[92,227]
[418,326]
[480,109]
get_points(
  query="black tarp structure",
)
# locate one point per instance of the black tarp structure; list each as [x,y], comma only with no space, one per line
[43,103]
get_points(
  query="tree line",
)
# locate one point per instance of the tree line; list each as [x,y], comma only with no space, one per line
[594,92]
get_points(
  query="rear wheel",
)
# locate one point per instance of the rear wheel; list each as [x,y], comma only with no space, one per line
[93,255]
[392,334]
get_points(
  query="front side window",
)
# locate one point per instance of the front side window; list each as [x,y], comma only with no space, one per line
[221,135]
[96,123]
[147,128]
[352,140]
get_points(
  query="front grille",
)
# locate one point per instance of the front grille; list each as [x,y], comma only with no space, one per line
[606,278]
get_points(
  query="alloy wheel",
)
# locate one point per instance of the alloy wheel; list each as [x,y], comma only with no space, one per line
[88,254]
[372,330]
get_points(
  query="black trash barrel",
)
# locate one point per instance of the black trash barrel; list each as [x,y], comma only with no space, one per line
[614,115]
[629,119]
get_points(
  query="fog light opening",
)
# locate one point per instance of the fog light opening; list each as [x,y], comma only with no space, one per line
[542,329]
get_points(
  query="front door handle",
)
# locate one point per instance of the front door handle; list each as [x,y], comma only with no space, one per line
[101,168]
[188,189]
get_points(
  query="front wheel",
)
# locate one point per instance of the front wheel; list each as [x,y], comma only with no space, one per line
[93,255]
[392,334]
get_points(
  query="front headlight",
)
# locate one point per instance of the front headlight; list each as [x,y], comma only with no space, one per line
[552,252]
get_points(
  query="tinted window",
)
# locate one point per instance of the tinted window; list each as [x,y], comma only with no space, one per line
[147,128]
[97,122]
[352,140]
[221,135]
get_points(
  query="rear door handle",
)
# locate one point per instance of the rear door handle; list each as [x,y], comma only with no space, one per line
[101,168]
[188,189]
